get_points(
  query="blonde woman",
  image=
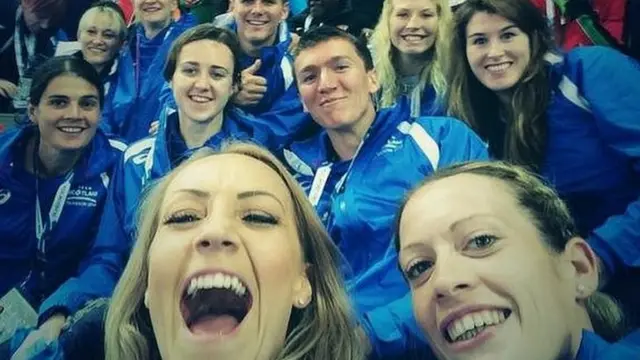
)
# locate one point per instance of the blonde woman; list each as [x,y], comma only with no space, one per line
[498,270]
[231,262]
[406,48]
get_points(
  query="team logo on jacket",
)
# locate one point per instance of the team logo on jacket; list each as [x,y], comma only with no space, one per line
[83,196]
[392,145]
[5,195]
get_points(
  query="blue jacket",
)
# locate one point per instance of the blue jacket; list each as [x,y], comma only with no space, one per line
[396,154]
[130,108]
[145,161]
[592,347]
[70,240]
[593,149]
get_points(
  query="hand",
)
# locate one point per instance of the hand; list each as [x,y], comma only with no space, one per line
[153,129]
[8,89]
[47,333]
[295,39]
[252,86]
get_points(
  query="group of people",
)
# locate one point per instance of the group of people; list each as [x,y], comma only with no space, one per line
[448,185]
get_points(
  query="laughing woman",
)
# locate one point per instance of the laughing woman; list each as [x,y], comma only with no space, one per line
[254,274]
[406,58]
[498,270]
[573,118]
[53,180]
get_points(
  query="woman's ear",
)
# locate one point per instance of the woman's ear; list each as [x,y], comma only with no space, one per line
[583,267]
[302,291]
[32,112]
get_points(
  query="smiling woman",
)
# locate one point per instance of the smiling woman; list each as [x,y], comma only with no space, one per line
[253,273]
[498,271]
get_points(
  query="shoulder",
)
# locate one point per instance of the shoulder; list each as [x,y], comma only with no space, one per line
[137,152]
[443,126]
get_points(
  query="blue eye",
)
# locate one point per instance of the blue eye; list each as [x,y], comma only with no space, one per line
[481,242]
[416,269]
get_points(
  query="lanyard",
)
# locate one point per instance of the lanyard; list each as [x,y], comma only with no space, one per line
[44,228]
[322,176]
[23,43]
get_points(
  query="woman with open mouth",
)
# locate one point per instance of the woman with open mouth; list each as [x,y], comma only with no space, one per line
[53,185]
[572,118]
[406,55]
[231,262]
[498,271]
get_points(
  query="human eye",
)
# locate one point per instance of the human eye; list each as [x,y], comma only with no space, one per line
[182,217]
[402,14]
[58,103]
[479,41]
[189,70]
[89,103]
[481,242]
[308,78]
[92,31]
[218,74]
[416,268]
[260,218]
[508,35]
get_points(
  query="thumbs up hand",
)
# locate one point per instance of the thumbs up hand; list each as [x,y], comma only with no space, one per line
[252,86]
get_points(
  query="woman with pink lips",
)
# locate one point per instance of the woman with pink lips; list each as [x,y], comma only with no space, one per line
[231,262]
[498,270]
[570,117]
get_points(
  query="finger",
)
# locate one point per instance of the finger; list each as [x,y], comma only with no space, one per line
[257,80]
[253,68]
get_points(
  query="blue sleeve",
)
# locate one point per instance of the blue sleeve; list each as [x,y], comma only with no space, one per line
[286,120]
[99,271]
[392,328]
[610,82]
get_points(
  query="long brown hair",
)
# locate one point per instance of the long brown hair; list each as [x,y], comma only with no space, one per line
[325,329]
[521,138]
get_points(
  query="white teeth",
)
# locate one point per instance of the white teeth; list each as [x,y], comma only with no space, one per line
[199,99]
[498,67]
[413,37]
[470,325]
[254,22]
[218,281]
[71,129]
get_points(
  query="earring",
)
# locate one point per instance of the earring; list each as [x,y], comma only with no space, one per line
[301,302]
[146,300]
[581,289]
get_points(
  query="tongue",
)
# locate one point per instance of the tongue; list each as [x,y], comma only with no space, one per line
[214,324]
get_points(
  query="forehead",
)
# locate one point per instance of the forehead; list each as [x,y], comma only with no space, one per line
[232,174]
[255,2]
[70,85]
[206,51]
[101,19]
[451,199]
[483,22]
[325,52]
[413,4]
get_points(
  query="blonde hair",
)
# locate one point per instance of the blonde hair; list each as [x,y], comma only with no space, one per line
[385,53]
[552,219]
[325,329]
[89,16]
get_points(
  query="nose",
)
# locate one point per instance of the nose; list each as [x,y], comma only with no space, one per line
[74,111]
[414,21]
[451,277]
[202,80]
[216,236]
[327,81]
[258,7]
[496,49]
[44,24]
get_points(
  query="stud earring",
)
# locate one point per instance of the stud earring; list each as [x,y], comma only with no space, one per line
[301,302]
[581,289]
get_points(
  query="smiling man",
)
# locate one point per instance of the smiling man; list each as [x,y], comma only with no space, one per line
[357,170]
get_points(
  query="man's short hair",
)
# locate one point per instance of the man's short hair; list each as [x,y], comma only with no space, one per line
[325,33]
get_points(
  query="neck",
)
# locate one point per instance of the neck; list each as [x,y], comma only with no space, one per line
[504,98]
[411,65]
[151,29]
[196,133]
[98,67]
[252,49]
[582,322]
[346,141]
[52,162]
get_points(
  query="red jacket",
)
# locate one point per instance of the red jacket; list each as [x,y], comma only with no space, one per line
[611,15]
[127,7]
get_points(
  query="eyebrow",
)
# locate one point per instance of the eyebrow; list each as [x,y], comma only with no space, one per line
[195,63]
[459,222]
[241,196]
[255,193]
[331,60]
[508,27]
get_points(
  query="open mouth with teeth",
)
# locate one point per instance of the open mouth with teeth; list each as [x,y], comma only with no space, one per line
[215,304]
[71,129]
[473,324]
